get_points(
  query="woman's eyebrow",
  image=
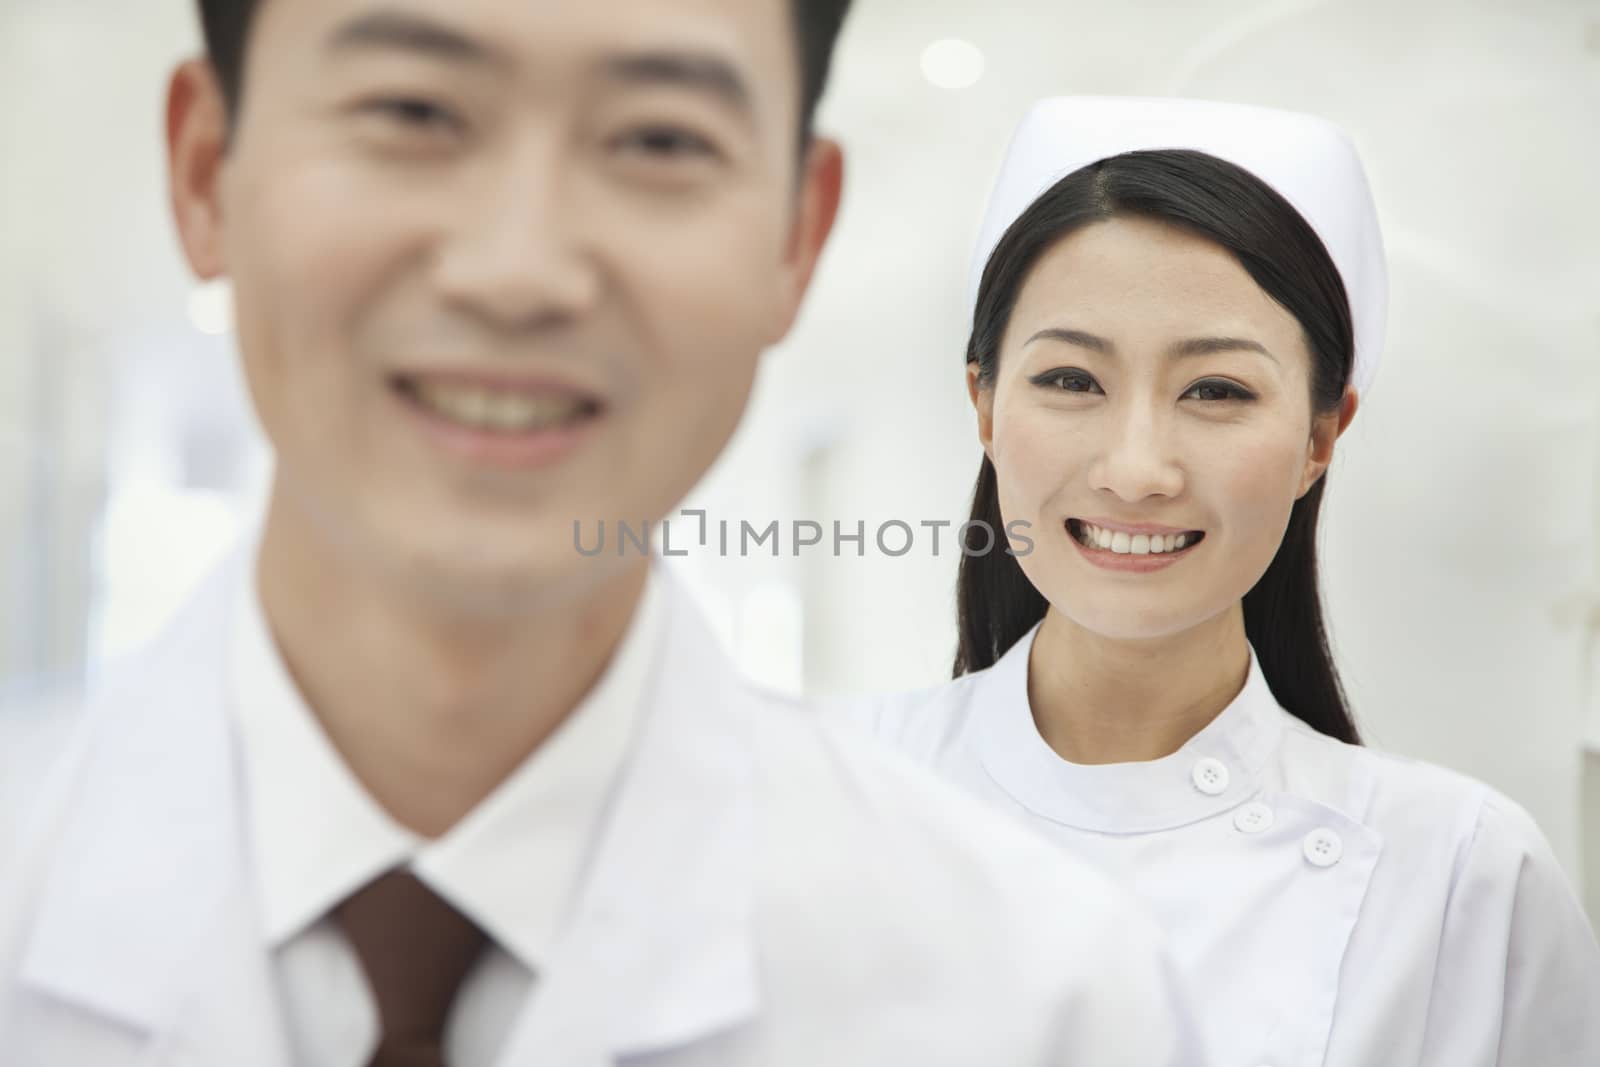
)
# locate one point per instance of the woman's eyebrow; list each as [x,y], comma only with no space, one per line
[1073,337]
[1204,346]
[1193,346]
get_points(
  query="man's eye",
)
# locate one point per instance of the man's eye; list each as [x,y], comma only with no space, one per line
[668,142]
[416,113]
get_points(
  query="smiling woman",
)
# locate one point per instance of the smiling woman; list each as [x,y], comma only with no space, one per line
[1158,243]
[1178,307]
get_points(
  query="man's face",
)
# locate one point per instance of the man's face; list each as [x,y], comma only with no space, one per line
[500,267]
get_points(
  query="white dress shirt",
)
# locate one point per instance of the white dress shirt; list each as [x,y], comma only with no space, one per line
[763,889]
[1332,905]
[511,865]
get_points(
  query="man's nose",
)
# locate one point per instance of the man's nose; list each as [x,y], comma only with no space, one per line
[517,255]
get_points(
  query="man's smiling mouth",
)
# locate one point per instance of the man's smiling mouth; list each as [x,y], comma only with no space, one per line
[497,409]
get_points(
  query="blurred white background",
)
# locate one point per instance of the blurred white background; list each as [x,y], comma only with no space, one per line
[1460,535]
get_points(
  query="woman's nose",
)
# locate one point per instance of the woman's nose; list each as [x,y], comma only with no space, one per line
[1136,460]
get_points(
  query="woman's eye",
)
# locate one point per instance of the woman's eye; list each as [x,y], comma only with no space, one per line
[1214,391]
[1069,381]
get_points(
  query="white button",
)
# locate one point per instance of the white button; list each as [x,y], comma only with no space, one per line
[1210,777]
[1323,848]
[1253,818]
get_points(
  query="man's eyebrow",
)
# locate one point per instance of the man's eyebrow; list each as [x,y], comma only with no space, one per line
[394,28]
[702,72]
[1193,346]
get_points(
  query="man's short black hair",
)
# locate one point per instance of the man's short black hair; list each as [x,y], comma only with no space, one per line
[227,23]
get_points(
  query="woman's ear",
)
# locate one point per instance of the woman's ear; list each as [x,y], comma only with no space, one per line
[983,403]
[1326,429]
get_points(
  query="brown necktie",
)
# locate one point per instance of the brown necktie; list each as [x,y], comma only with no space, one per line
[415,949]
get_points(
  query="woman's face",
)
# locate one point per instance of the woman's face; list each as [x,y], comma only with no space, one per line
[1151,421]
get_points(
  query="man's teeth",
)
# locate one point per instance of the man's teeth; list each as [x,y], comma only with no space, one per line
[1124,544]
[499,410]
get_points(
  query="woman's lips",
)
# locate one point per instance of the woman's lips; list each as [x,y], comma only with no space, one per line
[1132,548]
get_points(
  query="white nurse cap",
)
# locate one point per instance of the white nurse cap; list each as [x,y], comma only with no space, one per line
[1306,160]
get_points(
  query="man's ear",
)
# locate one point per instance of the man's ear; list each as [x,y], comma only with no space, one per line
[1326,430]
[197,142]
[983,403]
[821,189]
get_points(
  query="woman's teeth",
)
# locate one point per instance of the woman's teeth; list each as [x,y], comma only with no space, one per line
[501,411]
[1125,544]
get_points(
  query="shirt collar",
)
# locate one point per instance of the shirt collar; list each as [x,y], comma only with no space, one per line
[315,834]
[515,861]
[1217,769]
[512,864]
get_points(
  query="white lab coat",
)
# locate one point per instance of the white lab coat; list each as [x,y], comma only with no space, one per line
[1331,905]
[767,891]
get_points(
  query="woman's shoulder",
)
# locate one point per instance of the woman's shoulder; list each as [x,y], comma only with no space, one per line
[1409,801]
[1513,947]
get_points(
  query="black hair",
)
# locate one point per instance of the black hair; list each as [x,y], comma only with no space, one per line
[996,604]
[226,25]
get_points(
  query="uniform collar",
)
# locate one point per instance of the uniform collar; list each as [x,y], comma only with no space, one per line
[660,949]
[517,860]
[1220,767]
[511,865]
